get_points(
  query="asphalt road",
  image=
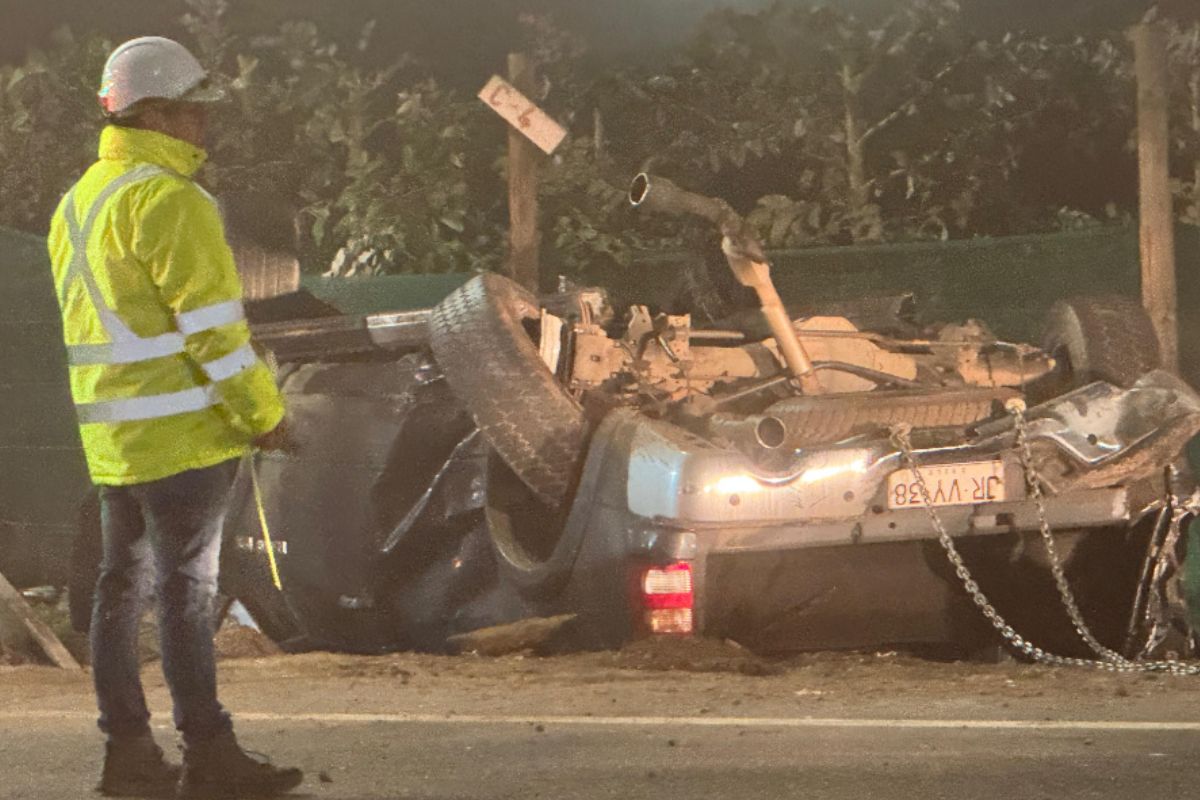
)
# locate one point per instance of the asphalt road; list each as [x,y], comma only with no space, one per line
[427,728]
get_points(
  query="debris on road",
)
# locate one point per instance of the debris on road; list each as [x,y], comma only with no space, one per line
[23,635]
[695,655]
[526,634]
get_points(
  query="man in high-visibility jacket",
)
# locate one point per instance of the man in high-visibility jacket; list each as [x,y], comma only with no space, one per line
[169,395]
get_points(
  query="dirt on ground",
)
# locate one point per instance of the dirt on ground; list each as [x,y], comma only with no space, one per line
[679,677]
[695,655]
[232,641]
[8,659]
[238,641]
[724,671]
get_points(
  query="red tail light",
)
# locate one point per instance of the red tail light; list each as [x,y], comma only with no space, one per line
[667,587]
[667,597]
[670,621]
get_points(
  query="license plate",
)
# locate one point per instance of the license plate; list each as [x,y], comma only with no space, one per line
[949,485]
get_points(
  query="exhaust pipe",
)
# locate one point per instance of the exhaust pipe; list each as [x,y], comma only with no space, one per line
[661,195]
[746,258]
[751,435]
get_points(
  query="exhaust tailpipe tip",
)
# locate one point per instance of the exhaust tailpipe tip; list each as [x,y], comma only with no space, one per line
[752,435]
[639,189]
[770,433]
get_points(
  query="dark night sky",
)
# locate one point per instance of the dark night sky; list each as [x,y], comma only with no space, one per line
[470,35]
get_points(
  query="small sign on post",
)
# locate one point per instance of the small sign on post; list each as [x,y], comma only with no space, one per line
[530,129]
[523,114]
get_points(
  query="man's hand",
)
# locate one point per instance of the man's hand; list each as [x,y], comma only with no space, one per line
[279,440]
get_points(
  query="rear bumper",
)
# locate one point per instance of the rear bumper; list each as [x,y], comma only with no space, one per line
[1091,508]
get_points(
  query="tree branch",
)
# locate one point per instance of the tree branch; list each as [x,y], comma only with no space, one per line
[902,109]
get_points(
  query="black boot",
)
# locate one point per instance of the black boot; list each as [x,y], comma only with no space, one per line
[134,767]
[218,768]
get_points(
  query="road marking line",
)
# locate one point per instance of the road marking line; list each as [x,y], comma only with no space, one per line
[657,722]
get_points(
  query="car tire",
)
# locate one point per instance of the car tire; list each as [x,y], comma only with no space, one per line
[1107,338]
[478,337]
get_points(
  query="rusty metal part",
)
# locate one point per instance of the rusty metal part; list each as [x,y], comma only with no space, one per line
[746,258]
[995,367]
[598,358]
[658,356]
[911,344]
[849,350]
[712,333]
[814,420]
[757,388]
[724,363]
[873,375]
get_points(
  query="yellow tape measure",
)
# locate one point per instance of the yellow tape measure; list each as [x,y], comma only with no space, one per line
[262,521]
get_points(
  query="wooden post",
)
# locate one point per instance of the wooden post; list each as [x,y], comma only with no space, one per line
[523,158]
[1157,233]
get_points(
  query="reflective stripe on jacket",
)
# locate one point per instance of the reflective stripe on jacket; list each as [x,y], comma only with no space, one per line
[162,372]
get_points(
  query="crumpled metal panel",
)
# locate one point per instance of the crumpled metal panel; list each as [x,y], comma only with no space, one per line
[371,470]
[1099,422]
[1117,437]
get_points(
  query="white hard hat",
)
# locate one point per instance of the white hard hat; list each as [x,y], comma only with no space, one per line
[153,68]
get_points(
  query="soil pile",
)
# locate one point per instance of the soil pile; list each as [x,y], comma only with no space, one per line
[8,659]
[694,655]
[238,641]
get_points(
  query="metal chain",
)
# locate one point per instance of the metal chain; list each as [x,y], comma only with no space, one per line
[1150,564]
[1056,567]
[1109,660]
[1162,602]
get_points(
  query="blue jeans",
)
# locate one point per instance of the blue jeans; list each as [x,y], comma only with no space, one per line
[176,522]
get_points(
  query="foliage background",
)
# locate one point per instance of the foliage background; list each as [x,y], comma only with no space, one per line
[823,126]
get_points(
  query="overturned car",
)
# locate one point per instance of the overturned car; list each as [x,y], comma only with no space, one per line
[844,479]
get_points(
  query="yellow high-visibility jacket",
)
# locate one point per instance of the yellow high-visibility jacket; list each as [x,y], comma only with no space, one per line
[162,372]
